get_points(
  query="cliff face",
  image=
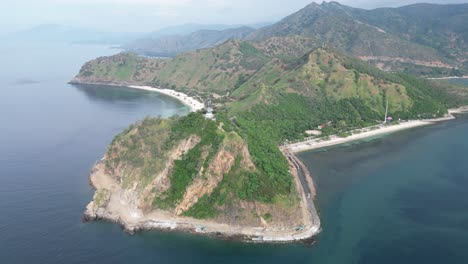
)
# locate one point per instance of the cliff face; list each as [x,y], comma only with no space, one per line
[182,169]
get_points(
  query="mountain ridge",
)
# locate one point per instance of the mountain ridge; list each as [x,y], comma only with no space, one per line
[171,45]
[376,35]
[265,93]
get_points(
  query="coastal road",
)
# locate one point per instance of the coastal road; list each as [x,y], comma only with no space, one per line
[307,187]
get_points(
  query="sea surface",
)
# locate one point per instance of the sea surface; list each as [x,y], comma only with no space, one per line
[461,81]
[397,199]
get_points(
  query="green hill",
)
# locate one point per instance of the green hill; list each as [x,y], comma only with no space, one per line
[422,39]
[442,27]
[425,39]
[284,100]
[266,93]
[194,167]
[242,74]
[216,70]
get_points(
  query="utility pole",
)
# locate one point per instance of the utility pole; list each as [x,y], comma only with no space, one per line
[386,112]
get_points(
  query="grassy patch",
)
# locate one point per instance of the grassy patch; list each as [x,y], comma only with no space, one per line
[267,217]
[101,197]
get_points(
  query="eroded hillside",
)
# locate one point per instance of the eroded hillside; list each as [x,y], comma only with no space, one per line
[193,173]
[192,167]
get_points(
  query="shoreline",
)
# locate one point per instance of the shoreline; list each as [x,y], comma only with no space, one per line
[367,132]
[449,78]
[185,99]
[117,209]
[191,102]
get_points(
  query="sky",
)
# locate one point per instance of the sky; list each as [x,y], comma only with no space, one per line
[149,15]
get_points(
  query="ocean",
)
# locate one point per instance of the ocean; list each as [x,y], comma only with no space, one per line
[463,82]
[395,199]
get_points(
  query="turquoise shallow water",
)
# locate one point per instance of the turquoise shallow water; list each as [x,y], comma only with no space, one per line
[399,199]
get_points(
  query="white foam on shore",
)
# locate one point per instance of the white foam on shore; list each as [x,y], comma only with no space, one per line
[191,102]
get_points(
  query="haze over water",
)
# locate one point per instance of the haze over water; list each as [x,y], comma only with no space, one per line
[400,199]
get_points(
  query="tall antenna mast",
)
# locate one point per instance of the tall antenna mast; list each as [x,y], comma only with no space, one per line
[386,112]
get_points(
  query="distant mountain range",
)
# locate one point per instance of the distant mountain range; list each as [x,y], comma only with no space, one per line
[186,29]
[416,37]
[171,41]
[421,39]
[144,42]
[169,46]
[424,39]
[63,33]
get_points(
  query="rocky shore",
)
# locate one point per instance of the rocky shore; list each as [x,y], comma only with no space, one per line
[114,204]
[111,203]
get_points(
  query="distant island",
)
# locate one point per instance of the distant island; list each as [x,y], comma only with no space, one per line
[234,174]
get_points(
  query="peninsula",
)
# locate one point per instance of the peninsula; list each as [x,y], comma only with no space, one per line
[236,175]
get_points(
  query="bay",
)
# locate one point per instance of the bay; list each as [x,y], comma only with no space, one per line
[397,199]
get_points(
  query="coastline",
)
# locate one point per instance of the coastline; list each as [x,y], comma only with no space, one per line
[191,102]
[460,110]
[449,78]
[368,132]
[114,207]
[185,99]
[118,210]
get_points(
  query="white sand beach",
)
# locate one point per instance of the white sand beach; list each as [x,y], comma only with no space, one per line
[460,110]
[191,102]
[368,132]
[449,78]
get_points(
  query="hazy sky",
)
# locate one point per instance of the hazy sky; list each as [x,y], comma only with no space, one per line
[147,15]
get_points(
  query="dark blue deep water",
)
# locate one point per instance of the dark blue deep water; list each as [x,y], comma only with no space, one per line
[399,199]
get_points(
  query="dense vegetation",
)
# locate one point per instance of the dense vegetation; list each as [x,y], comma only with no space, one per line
[269,180]
[423,39]
[429,99]
[234,185]
[187,168]
[269,91]
[438,26]
[419,33]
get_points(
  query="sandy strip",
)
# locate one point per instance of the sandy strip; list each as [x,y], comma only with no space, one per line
[449,78]
[191,102]
[361,134]
[460,110]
